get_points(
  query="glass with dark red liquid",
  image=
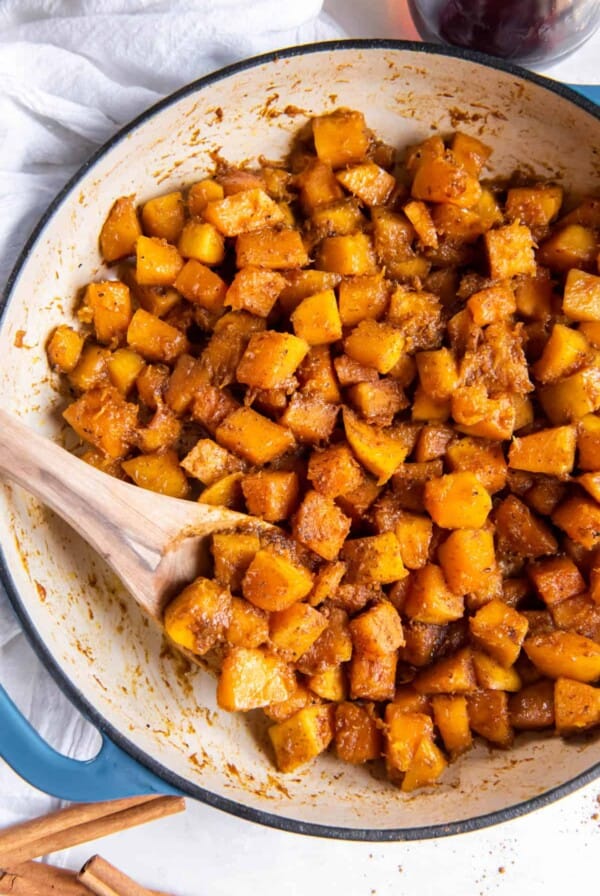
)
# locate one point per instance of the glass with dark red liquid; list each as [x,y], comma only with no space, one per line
[524,31]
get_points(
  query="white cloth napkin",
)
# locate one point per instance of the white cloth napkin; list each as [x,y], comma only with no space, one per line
[71,74]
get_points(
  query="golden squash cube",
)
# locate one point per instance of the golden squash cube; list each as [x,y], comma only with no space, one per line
[232,555]
[579,517]
[484,459]
[379,452]
[565,352]
[420,217]
[199,616]
[362,297]
[201,241]
[316,320]
[581,299]
[443,179]
[532,708]
[378,402]
[576,706]
[274,583]
[520,531]
[248,210]
[550,451]
[493,676]
[327,581]
[64,348]
[330,684]
[492,304]
[499,630]
[285,709]
[302,737]
[454,674]
[534,296]
[254,437]
[320,525]
[318,186]
[430,599]
[414,533]
[357,735]
[164,216]
[120,230]
[351,254]
[588,443]
[91,370]
[209,462]
[157,262]
[470,152]
[591,483]
[452,721]
[302,284]
[375,344]
[154,339]
[534,206]
[373,677]
[201,193]
[293,630]
[572,246]
[270,359]
[438,373]
[202,286]
[253,677]
[110,305]
[457,501]
[368,182]
[510,251]
[276,250]
[255,290]
[124,367]
[427,766]
[341,137]
[103,418]
[159,472]
[248,626]
[563,654]
[477,414]
[377,631]
[404,731]
[374,559]
[334,471]
[489,717]
[468,560]
[271,495]
[309,418]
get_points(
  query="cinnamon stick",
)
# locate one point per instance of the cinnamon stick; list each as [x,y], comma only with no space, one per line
[103,879]
[53,834]
[38,879]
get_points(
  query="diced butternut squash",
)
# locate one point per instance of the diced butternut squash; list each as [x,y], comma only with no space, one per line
[443,179]
[453,674]
[232,555]
[201,193]
[251,678]
[556,579]
[499,630]
[375,558]
[480,415]
[430,599]
[591,483]
[91,370]
[534,206]
[470,152]
[510,251]
[380,453]
[357,734]
[420,217]
[377,631]
[320,525]
[104,419]
[124,367]
[493,676]
[414,533]
[561,654]
[164,216]
[199,616]
[317,376]
[579,517]
[302,284]
[452,721]
[520,531]
[438,373]
[295,629]
[157,262]
[209,462]
[468,560]
[373,678]
[532,708]
[368,182]
[202,286]
[309,418]
[64,348]
[254,437]
[318,186]
[271,495]
[457,501]
[582,296]
[572,246]
[341,138]
[572,397]
[302,737]
[484,459]
[270,359]
[349,255]
[489,717]
[404,731]
[273,583]
[427,766]
[255,290]
[565,352]
[109,304]
[550,451]
[316,320]
[492,303]
[248,626]
[120,230]
[276,250]
[327,581]
[330,684]
[154,339]
[375,344]
[242,212]
[576,706]
[361,298]
[588,443]
[201,241]
[334,471]
[159,472]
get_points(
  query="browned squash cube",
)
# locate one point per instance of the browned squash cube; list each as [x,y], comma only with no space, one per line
[361,298]
[373,678]
[569,247]
[378,402]
[572,397]
[535,206]
[376,558]
[64,348]
[443,179]
[470,152]
[485,459]
[285,709]
[120,231]
[198,617]
[377,631]
[368,182]
[274,583]
[201,193]
[295,629]
[248,626]
[499,630]
[225,492]
[241,212]
[103,418]
[588,443]
[253,677]
[317,376]
[310,418]
[428,409]
[456,225]
[510,251]
[341,137]
[91,370]
[468,560]
[201,241]
[375,344]
[565,352]
[334,471]
[578,614]
[378,452]
[348,255]
[451,718]
[316,320]
[302,284]
[255,290]
[532,708]
[154,339]
[582,296]
[209,462]
[157,262]
[576,706]
[438,373]
[430,599]
[202,286]
[357,735]
[480,415]
[232,555]
[330,684]
[550,451]
[457,501]
[414,533]
[327,581]
[163,430]
[556,579]
[270,359]
[302,737]
[422,640]
[254,437]
[561,654]
[427,766]
[271,495]
[533,296]
[520,531]
[110,304]
[184,382]
[404,731]
[591,483]
[164,216]
[333,647]
[579,517]
[124,367]
[321,525]
[493,676]
[433,442]
[159,472]
[454,674]
[488,717]
[420,217]
[276,250]
[492,303]
[318,186]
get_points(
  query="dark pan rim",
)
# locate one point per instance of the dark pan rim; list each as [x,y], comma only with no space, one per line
[60,676]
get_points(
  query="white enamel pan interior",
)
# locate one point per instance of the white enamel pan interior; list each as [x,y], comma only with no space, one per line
[102,650]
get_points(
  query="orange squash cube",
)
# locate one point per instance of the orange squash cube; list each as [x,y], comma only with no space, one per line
[91,370]
[276,250]
[164,216]
[201,241]
[451,718]
[368,182]
[201,285]
[430,599]
[157,262]
[248,626]
[374,559]
[534,206]
[201,193]
[443,179]
[302,284]
[270,359]
[491,304]
[569,247]
[209,462]
[251,678]
[327,581]
[375,344]
[232,555]
[109,303]
[321,525]
[302,737]
[427,766]
[470,152]
[361,298]
[334,471]
[550,451]
[120,231]
[242,212]
[159,472]
[295,629]
[198,617]
[576,706]
[499,630]
[64,348]
[373,678]
[414,533]
[493,676]
[255,290]
[348,255]
[579,517]
[532,708]
[380,453]
[316,319]
[318,186]
[468,560]
[582,296]
[341,137]
[420,217]
[489,717]
[556,579]
[271,495]
[124,367]
[510,251]
[404,731]
[330,684]
[378,402]
[309,418]
[154,339]
[103,418]
[565,654]
[377,631]
[565,352]
[483,458]
[357,735]
[273,583]
[438,373]
[454,674]
[573,397]
[457,501]
[254,437]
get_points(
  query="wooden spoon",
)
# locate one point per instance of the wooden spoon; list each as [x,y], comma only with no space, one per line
[154,543]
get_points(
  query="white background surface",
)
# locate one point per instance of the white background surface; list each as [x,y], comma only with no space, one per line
[207,852]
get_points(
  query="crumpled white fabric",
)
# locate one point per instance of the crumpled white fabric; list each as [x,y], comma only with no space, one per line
[71,73]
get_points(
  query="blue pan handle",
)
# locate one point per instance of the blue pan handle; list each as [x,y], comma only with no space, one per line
[589,91]
[111,774]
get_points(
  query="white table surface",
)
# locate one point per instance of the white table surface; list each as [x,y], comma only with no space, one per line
[204,852]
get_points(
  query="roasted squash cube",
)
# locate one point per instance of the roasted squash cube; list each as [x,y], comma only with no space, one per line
[333,647]
[493,676]
[317,376]
[164,216]
[576,706]
[357,734]
[273,583]
[201,241]
[154,339]
[351,254]
[64,348]
[368,182]
[572,397]
[321,525]
[248,626]
[564,353]
[330,684]
[550,451]
[533,296]
[302,737]
[380,453]
[378,402]
[373,678]
[91,370]
[253,677]
[341,137]
[255,290]
[375,344]
[468,560]
[157,262]
[349,372]
[124,367]
[232,555]
[120,230]
[310,418]
[451,718]
[163,430]
[271,495]
[478,414]
[420,217]
[454,674]
[361,298]
[104,419]
[254,437]
[556,579]
[247,210]
[198,617]
[201,193]
[535,206]
[582,296]
[564,654]
[579,517]
[276,250]
[209,462]
[318,186]
[404,731]
[159,472]
[316,320]
[499,630]
[334,471]
[225,492]
[532,708]
[376,558]
[110,305]
[457,501]
[438,373]
[510,251]
[492,303]
[295,629]
[377,631]
[414,533]
[484,459]
[302,284]
[427,766]
[443,179]
[270,359]
[520,531]
[285,709]
[202,286]
[588,443]
[489,717]
[591,483]
[327,581]
[569,247]
[430,599]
